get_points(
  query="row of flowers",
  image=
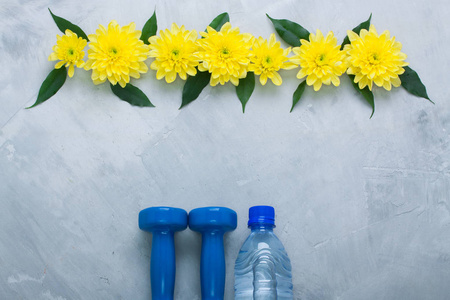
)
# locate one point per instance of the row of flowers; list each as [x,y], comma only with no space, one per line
[223,54]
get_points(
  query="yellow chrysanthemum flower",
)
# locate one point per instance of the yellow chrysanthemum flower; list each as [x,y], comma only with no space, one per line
[116,54]
[174,52]
[320,59]
[225,54]
[268,58]
[69,50]
[375,58]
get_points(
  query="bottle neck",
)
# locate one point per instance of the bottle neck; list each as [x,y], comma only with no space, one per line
[261,227]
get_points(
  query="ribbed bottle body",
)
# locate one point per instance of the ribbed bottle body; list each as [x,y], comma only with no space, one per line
[263,268]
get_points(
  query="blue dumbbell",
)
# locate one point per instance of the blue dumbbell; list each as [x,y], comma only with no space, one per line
[162,222]
[212,223]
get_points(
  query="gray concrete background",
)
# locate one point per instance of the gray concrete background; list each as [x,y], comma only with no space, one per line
[362,205]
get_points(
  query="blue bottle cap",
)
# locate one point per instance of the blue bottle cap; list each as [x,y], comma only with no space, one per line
[261,214]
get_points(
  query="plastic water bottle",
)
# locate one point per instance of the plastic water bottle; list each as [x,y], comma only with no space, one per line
[263,268]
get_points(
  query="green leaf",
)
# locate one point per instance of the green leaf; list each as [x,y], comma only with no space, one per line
[357,30]
[218,21]
[51,85]
[412,83]
[149,28]
[298,94]
[245,89]
[289,31]
[131,94]
[63,24]
[365,92]
[194,86]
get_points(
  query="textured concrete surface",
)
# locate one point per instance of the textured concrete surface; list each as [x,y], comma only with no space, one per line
[362,205]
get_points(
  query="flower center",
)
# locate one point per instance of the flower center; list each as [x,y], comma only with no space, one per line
[113,51]
[374,58]
[224,53]
[175,53]
[320,59]
[267,62]
[71,55]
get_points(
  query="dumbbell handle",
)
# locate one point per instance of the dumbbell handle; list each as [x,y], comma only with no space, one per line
[212,266]
[162,270]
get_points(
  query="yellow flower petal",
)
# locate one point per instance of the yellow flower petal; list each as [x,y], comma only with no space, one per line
[69,51]
[122,82]
[234,80]
[160,74]
[335,80]
[53,56]
[171,76]
[321,60]
[301,74]
[226,27]
[326,79]
[276,79]
[225,54]
[379,81]
[214,81]
[60,64]
[263,79]
[267,57]
[374,58]
[116,53]
[175,51]
[288,66]
[396,81]
[71,71]
[153,39]
[97,81]
[352,36]
[317,85]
